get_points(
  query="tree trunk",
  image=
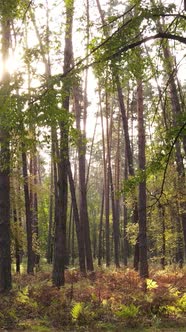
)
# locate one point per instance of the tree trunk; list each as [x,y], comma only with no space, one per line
[30,254]
[78,224]
[5,255]
[162,223]
[17,246]
[82,180]
[100,240]
[142,185]
[116,197]
[51,210]
[34,202]
[179,239]
[60,256]
[125,220]
[69,236]
[106,191]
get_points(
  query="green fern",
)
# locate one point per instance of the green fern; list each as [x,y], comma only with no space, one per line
[125,311]
[181,303]
[77,310]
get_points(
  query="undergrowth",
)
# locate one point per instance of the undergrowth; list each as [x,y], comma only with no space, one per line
[101,299]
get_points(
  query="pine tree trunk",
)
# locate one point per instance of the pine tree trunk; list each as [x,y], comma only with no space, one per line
[5,255]
[34,202]
[100,240]
[60,256]
[163,246]
[17,247]
[179,239]
[106,191]
[125,219]
[117,198]
[142,185]
[78,224]
[30,254]
[115,221]
[82,180]
[51,210]
[69,236]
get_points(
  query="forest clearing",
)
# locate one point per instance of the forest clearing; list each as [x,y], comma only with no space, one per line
[92,165]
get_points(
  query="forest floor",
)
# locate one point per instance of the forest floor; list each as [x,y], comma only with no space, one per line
[106,300]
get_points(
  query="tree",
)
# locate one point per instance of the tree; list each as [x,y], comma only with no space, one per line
[5,257]
[60,227]
[142,214]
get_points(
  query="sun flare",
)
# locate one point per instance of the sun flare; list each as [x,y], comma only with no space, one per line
[11,65]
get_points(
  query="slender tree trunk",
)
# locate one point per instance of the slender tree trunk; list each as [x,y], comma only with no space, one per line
[69,236]
[106,191]
[82,181]
[59,262]
[116,197]
[51,210]
[30,254]
[125,219]
[142,185]
[5,256]
[78,224]
[162,223]
[17,246]
[55,155]
[73,238]
[34,201]
[100,240]
[179,239]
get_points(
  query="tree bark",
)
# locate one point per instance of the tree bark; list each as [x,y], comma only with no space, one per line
[78,224]
[34,202]
[51,210]
[60,257]
[162,223]
[30,254]
[106,190]
[100,240]
[82,179]
[5,255]
[142,185]
[125,218]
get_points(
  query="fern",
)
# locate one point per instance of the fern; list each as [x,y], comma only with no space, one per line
[181,303]
[125,311]
[77,310]
[151,284]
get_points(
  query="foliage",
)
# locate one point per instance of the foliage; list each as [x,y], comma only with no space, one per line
[76,310]
[107,298]
[127,312]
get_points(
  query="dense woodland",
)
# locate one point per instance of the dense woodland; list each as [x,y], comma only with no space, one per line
[93,155]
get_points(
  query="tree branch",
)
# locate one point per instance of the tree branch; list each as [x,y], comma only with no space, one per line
[159,35]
